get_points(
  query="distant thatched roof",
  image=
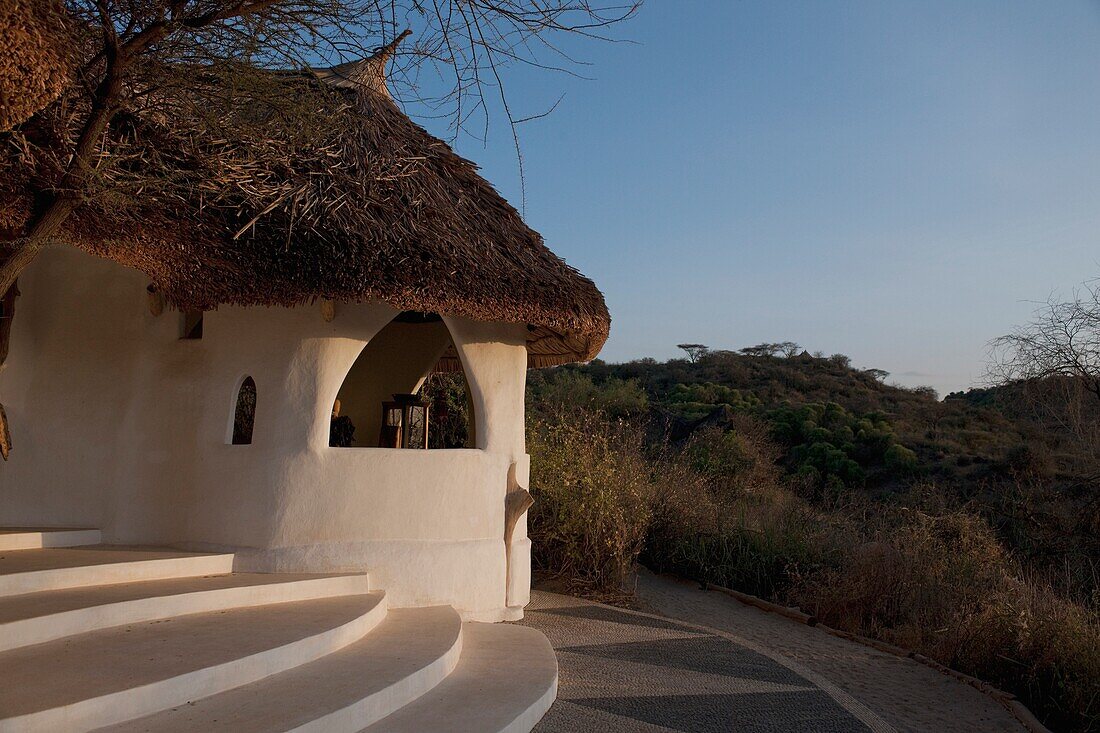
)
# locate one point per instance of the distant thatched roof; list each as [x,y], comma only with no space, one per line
[374,209]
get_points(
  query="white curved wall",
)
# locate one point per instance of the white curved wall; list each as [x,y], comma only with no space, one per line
[119,424]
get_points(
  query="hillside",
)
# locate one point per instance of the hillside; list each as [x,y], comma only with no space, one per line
[952,439]
[844,432]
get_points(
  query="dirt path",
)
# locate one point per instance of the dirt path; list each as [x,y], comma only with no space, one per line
[703,663]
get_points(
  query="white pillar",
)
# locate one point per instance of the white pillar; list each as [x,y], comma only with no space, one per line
[494,356]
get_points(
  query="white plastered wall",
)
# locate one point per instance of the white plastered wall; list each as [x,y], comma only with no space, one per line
[118,424]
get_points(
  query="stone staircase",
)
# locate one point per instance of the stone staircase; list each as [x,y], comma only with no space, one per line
[95,637]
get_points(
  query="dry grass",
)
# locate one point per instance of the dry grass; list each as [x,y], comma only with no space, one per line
[594,497]
[945,587]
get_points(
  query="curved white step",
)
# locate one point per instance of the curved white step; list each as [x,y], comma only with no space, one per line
[35,618]
[106,677]
[505,682]
[31,538]
[31,571]
[407,655]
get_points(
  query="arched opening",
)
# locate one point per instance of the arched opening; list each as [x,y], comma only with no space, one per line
[406,389]
[244,416]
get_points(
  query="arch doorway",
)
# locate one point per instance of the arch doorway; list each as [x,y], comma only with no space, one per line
[412,361]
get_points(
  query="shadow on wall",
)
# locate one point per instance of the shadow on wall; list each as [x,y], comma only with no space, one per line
[407,389]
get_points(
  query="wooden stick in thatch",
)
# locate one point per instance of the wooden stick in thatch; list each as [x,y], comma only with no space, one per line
[5,435]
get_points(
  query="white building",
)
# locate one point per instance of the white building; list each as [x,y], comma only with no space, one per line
[134,355]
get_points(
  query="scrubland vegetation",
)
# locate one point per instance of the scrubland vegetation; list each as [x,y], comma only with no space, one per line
[963,529]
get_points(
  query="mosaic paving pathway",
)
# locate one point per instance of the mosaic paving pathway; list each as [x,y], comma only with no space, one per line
[624,671]
[740,669]
[909,696]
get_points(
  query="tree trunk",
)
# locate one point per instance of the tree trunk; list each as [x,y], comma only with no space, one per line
[27,248]
[7,312]
[70,189]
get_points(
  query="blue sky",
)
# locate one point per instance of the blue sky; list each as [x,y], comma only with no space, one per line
[894,181]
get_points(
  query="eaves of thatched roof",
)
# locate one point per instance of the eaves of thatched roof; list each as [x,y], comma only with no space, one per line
[387,213]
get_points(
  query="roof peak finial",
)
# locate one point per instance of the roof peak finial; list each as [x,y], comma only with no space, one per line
[366,73]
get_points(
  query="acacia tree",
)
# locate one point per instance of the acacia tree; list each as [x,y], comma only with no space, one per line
[124,54]
[694,352]
[789,349]
[764,349]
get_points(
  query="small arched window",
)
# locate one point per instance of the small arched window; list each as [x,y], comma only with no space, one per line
[244,418]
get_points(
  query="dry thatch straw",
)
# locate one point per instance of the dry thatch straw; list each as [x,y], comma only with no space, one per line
[35,64]
[237,185]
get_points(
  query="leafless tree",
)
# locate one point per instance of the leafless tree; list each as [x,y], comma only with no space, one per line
[1062,340]
[1054,361]
[130,51]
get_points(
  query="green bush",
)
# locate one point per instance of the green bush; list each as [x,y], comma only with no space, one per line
[763,560]
[694,401]
[899,458]
[450,420]
[833,447]
[736,525]
[720,454]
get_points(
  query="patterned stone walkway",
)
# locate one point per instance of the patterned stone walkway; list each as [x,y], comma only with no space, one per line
[709,663]
[639,673]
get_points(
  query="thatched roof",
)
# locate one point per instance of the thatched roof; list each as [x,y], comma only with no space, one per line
[376,210]
[35,64]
